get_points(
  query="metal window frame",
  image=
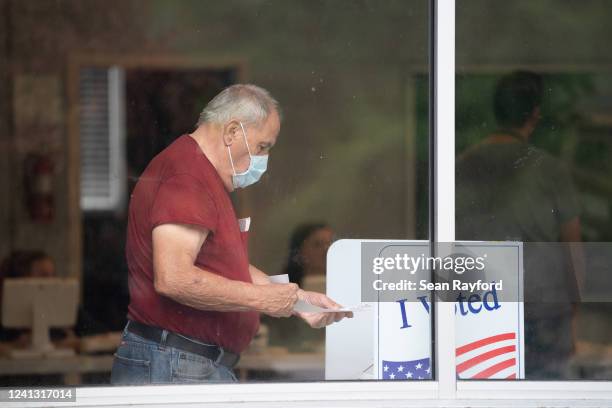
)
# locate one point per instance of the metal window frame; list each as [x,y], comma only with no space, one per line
[442,177]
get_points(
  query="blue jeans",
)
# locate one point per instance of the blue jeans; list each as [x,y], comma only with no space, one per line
[142,361]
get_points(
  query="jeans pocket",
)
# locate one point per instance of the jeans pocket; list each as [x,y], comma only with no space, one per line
[192,368]
[130,371]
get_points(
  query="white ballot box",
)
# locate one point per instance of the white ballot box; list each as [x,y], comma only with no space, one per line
[392,340]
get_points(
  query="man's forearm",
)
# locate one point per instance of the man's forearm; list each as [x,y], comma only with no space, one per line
[175,249]
[205,290]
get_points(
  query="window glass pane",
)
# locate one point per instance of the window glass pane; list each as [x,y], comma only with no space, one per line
[533,103]
[104,140]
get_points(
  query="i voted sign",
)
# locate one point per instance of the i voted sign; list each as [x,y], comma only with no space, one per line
[489,331]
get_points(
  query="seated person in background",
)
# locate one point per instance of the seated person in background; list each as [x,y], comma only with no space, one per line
[306,266]
[32,264]
[307,261]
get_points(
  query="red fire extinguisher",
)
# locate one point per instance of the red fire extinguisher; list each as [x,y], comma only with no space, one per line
[39,187]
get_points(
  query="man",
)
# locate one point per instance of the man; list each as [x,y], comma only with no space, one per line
[194,298]
[510,190]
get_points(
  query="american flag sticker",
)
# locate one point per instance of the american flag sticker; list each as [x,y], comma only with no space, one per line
[406,370]
[488,358]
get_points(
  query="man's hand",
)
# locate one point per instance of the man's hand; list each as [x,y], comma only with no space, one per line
[319,320]
[277,300]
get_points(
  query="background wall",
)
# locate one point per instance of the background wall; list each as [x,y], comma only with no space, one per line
[338,68]
[344,72]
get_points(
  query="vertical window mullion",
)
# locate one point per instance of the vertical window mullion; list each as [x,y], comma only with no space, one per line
[443,178]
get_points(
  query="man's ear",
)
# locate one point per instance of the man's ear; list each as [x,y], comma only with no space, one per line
[231,131]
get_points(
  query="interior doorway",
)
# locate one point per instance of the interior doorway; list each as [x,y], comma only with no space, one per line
[161,104]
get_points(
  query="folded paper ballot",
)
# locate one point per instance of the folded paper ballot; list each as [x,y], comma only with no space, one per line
[304,307]
[284,278]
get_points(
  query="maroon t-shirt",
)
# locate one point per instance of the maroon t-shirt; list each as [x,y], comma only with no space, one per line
[181,186]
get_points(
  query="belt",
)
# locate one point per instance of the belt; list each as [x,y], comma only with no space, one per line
[211,351]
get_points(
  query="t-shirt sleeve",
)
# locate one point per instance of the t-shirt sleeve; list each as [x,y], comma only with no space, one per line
[182,199]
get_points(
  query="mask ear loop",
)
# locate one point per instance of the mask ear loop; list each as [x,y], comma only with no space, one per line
[231,161]
[246,142]
[248,150]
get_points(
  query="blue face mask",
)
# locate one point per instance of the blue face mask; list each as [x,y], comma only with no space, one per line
[257,167]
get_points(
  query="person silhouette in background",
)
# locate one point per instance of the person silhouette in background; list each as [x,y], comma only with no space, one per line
[509,190]
[307,260]
[306,266]
[30,264]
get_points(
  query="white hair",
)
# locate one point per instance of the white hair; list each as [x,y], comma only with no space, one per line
[247,103]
